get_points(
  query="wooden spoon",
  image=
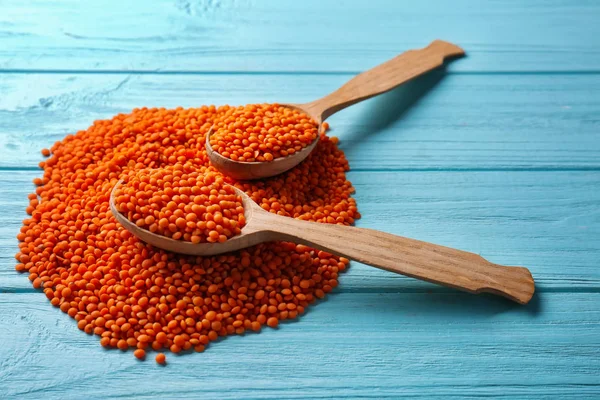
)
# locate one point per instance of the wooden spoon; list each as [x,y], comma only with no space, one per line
[373,82]
[426,261]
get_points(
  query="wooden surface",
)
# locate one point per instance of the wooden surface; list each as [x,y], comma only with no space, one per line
[372,82]
[382,78]
[499,155]
[426,261]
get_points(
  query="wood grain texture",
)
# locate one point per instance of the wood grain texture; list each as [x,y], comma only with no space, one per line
[382,78]
[425,261]
[428,262]
[370,345]
[547,221]
[437,122]
[499,156]
[292,36]
[375,81]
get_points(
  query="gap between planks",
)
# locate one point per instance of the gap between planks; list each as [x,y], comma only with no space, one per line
[236,72]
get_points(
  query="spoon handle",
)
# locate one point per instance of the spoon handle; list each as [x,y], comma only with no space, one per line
[384,77]
[426,261]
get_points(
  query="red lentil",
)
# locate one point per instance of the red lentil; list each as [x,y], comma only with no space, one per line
[161,358]
[140,354]
[180,203]
[134,296]
[261,132]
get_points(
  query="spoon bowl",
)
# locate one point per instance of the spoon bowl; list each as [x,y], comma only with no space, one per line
[248,237]
[426,261]
[373,82]
[243,170]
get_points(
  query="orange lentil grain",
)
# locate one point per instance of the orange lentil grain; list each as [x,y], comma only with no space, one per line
[261,132]
[135,296]
[161,358]
[159,194]
[140,354]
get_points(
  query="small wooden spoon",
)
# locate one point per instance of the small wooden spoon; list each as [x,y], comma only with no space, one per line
[373,82]
[426,261]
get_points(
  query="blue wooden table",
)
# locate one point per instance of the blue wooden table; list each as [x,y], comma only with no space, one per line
[498,154]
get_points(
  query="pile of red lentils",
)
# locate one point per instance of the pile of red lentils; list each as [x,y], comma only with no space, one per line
[261,132]
[134,296]
[181,203]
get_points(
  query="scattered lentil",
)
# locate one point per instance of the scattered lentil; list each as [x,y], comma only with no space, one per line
[135,296]
[161,358]
[261,132]
[140,354]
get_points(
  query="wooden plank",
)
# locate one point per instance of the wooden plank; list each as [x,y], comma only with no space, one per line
[350,346]
[546,221]
[311,35]
[464,122]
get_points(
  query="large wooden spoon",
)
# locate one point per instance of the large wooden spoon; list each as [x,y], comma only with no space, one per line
[373,82]
[426,261]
